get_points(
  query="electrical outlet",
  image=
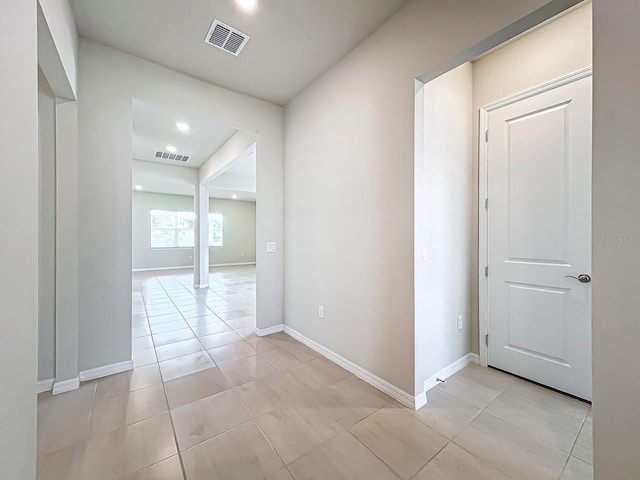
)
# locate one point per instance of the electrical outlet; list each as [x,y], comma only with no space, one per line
[459,322]
[271,247]
[320,311]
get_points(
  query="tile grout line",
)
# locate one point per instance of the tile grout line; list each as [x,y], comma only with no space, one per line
[432,458]
[448,440]
[166,398]
[480,412]
[374,453]
[502,391]
[188,324]
[573,446]
[175,436]
[83,448]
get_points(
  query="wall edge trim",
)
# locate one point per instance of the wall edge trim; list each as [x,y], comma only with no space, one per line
[263,332]
[111,369]
[151,269]
[450,369]
[45,385]
[65,386]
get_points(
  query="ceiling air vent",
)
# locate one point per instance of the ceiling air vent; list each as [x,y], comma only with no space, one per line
[172,156]
[226,38]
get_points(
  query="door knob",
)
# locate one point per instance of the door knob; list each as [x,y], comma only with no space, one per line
[583,277]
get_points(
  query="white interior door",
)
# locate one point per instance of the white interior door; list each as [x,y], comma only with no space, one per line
[539,233]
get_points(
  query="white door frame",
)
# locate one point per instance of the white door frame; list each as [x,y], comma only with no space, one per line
[483,230]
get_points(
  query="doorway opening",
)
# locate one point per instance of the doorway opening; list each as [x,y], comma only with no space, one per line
[193,240]
[451,301]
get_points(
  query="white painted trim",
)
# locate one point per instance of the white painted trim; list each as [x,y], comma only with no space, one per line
[183,267]
[205,285]
[161,268]
[377,382]
[449,370]
[483,235]
[106,370]
[45,385]
[238,264]
[420,401]
[65,386]
[544,87]
[483,217]
[263,332]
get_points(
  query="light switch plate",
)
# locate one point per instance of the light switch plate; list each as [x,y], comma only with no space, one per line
[271,247]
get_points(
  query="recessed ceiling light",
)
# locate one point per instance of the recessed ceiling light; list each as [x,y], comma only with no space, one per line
[171,148]
[247,4]
[234,196]
[183,127]
[138,187]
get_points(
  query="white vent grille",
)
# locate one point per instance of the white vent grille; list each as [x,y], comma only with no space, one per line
[172,156]
[226,38]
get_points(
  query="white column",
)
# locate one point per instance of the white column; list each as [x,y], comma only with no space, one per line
[201,238]
[66,247]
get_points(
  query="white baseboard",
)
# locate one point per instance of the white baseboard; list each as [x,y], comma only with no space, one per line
[263,332]
[204,285]
[240,264]
[400,395]
[183,267]
[100,372]
[421,400]
[450,369]
[45,385]
[65,386]
[160,268]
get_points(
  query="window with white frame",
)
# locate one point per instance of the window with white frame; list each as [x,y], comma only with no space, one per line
[171,229]
[216,230]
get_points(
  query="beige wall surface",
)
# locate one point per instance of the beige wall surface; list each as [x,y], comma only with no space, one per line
[349,155]
[616,239]
[239,231]
[108,82]
[46,229]
[557,48]
[19,242]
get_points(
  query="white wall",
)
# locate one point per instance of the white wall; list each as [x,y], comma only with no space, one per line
[348,179]
[227,153]
[59,51]
[616,239]
[19,247]
[108,81]
[443,233]
[239,231]
[557,48]
[66,241]
[172,179]
[47,229]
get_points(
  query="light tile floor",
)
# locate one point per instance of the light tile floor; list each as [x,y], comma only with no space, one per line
[209,400]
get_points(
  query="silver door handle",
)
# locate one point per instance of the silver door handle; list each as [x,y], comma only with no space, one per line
[583,277]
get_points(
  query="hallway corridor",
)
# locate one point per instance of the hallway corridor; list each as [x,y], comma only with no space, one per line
[208,400]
